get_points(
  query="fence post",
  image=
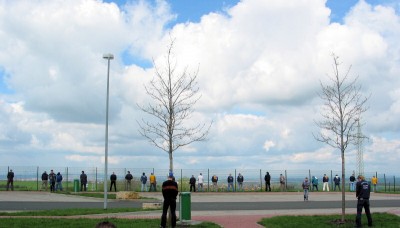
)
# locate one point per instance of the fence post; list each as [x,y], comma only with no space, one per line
[208,180]
[286,180]
[384,179]
[394,184]
[37,178]
[261,182]
[67,179]
[181,180]
[235,180]
[96,179]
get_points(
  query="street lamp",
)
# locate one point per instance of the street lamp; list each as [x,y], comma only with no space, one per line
[108,57]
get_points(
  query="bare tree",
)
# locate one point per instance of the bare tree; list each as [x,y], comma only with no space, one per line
[343,106]
[174,96]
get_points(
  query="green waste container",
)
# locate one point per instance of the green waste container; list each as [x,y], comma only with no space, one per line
[76,185]
[185,206]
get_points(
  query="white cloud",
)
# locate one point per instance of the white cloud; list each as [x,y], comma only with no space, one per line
[259,70]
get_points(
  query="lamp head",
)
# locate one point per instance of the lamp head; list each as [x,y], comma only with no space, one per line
[108,56]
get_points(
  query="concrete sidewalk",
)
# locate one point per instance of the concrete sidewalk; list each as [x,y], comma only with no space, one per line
[226,218]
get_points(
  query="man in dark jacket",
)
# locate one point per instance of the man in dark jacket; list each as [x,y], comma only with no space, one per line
[128,179]
[10,180]
[336,179]
[192,183]
[45,179]
[363,190]
[113,179]
[240,180]
[352,180]
[267,179]
[83,178]
[169,191]
[52,179]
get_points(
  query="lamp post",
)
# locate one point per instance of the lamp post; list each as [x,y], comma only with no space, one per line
[108,57]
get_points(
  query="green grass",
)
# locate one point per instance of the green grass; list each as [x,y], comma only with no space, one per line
[321,221]
[68,212]
[84,223]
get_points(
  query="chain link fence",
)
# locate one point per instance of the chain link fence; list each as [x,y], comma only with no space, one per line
[28,178]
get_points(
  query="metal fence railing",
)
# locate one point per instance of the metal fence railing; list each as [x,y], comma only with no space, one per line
[29,178]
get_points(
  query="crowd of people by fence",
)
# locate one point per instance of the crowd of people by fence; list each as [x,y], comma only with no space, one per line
[201,183]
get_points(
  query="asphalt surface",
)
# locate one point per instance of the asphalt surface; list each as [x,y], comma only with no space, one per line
[202,202]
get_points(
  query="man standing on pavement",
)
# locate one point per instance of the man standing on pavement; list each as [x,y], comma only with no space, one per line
[143,180]
[267,179]
[10,180]
[169,191]
[352,179]
[83,178]
[192,183]
[336,179]
[230,182]
[113,179]
[153,182]
[128,179]
[200,180]
[325,181]
[45,179]
[363,190]
[214,180]
[52,179]
[374,181]
[240,180]
[282,181]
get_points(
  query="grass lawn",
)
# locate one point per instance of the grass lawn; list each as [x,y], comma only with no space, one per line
[85,223]
[69,212]
[321,221]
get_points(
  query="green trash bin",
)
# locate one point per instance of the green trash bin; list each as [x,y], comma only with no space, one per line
[76,185]
[185,206]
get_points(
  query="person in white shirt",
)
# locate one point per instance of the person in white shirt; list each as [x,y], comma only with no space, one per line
[200,181]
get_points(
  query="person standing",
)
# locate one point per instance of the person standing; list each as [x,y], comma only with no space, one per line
[113,179]
[240,180]
[128,178]
[230,182]
[143,180]
[169,192]
[314,182]
[200,181]
[267,179]
[214,180]
[192,183]
[83,178]
[306,187]
[10,180]
[282,181]
[363,190]
[52,179]
[153,182]
[59,181]
[352,179]
[325,181]
[336,180]
[374,181]
[45,179]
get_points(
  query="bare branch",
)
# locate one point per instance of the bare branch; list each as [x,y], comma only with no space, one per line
[174,96]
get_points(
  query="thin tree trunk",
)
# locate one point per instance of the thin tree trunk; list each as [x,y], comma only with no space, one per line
[343,189]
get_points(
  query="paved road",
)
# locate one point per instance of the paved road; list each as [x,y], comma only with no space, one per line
[16,201]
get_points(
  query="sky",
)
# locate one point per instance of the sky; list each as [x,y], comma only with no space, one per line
[260,64]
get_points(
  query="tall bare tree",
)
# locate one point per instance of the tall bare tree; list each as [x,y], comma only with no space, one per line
[174,96]
[343,106]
